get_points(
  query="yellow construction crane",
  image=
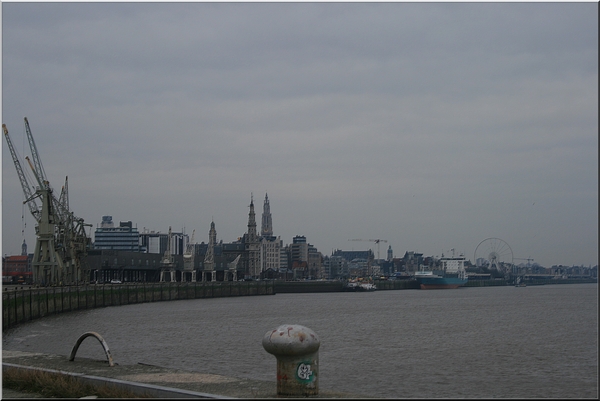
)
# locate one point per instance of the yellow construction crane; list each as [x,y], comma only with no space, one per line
[377,241]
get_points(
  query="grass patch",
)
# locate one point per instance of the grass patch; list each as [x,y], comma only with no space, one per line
[53,385]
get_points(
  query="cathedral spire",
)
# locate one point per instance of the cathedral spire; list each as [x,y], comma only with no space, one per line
[252,245]
[209,258]
[251,221]
[267,222]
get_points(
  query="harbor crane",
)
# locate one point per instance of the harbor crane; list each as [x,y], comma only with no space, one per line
[377,241]
[61,243]
[188,260]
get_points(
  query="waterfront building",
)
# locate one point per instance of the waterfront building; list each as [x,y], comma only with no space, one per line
[356,263]
[17,269]
[157,242]
[304,259]
[338,267]
[413,261]
[351,255]
[315,263]
[122,238]
[126,266]
[284,257]
[299,249]
[270,252]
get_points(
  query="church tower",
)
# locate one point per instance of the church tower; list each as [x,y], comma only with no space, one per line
[24,249]
[252,244]
[267,222]
[209,258]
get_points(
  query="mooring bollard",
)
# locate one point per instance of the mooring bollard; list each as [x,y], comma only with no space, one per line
[296,349]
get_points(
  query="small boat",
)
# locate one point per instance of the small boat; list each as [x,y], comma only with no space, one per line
[351,286]
[366,287]
[355,286]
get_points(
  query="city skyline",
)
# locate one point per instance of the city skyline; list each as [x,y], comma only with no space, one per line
[431,126]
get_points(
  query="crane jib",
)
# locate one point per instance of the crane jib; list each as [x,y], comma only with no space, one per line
[61,243]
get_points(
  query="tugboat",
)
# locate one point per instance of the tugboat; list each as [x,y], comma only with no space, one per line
[366,287]
[357,286]
[520,283]
[451,275]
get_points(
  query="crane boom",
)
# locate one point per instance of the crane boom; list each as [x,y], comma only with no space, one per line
[25,185]
[62,243]
[377,241]
[63,200]
[37,168]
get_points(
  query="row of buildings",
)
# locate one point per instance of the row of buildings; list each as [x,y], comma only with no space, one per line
[123,253]
[252,256]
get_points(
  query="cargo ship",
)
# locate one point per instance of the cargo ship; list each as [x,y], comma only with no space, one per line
[451,275]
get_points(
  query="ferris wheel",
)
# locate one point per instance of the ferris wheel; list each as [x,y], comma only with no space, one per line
[494,253]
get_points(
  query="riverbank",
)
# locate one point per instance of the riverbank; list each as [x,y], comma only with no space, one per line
[21,304]
[149,380]
[26,303]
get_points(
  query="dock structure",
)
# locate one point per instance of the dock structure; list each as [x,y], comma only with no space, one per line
[146,379]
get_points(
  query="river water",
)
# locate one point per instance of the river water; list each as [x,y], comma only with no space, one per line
[490,342]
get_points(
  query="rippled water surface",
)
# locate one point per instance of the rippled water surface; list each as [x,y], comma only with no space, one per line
[470,342]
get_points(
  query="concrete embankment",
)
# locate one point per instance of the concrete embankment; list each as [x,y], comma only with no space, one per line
[24,304]
[143,379]
[309,286]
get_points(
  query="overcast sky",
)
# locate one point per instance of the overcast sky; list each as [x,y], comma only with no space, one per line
[429,125]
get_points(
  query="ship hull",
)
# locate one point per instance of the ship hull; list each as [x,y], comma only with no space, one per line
[438,283]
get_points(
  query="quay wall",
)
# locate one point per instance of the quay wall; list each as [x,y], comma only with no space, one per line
[561,281]
[282,287]
[485,283]
[26,304]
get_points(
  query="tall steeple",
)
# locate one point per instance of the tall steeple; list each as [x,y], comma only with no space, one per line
[24,249]
[209,258]
[212,234]
[251,222]
[252,245]
[267,222]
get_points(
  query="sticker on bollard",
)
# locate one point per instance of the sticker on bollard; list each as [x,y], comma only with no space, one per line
[296,349]
[304,373]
